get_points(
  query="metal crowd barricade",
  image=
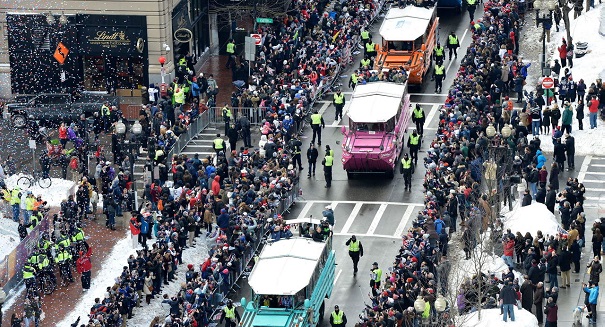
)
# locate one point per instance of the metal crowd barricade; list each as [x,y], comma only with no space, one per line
[249,253]
[195,127]
[256,115]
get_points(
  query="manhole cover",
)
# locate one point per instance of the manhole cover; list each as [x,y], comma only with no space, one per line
[577,280]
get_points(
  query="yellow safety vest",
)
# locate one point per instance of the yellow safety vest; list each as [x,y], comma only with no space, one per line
[158,154]
[407,164]
[79,236]
[329,160]
[6,195]
[354,246]
[230,48]
[43,263]
[64,241]
[414,139]
[179,97]
[63,256]
[339,99]
[439,51]
[226,112]
[370,47]
[15,196]
[28,272]
[315,119]
[218,143]
[337,317]
[182,62]
[471,2]
[378,273]
[418,112]
[365,35]
[354,78]
[105,111]
[365,62]
[29,203]
[439,70]
[453,39]
[230,313]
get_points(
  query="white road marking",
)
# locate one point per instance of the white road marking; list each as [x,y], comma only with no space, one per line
[349,222]
[376,220]
[337,275]
[324,107]
[404,221]
[363,235]
[592,181]
[367,202]
[345,109]
[597,165]
[584,168]
[305,210]
[431,114]
[595,189]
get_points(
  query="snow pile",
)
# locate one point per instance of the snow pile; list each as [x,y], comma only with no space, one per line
[58,191]
[110,269]
[532,218]
[492,318]
[9,237]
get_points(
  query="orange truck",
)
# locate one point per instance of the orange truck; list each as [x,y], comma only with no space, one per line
[408,37]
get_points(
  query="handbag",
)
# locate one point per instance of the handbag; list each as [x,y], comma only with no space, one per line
[519,305]
[589,270]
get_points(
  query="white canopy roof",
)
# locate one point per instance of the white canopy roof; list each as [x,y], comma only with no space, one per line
[376,102]
[286,266]
[405,24]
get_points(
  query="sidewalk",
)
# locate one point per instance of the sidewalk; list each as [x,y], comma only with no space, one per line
[64,299]
[215,65]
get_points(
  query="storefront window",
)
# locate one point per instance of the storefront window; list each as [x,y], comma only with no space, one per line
[94,73]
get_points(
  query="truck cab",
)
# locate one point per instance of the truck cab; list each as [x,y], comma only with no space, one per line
[289,283]
[379,115]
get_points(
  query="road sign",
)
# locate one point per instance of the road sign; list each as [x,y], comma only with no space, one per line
[548,83]
[250,48]
[61,53]
[264,20]
[258,39]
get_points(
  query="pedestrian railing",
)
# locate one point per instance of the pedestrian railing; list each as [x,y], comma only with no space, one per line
[255,115]
[197,125]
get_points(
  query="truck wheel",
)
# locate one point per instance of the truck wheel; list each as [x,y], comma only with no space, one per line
[19,121]
[390,174]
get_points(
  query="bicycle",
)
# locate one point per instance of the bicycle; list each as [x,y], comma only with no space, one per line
[27,181]
[46,284]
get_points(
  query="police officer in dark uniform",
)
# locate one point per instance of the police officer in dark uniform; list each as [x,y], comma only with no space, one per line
[317,123]
[439,52]
[339,103]
[328,162]
[406,170]
[419,117]
[296,148]
[414,145]
[453,44]
[355,251]
[439,74]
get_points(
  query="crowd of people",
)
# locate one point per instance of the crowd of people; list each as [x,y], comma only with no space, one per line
[457,199]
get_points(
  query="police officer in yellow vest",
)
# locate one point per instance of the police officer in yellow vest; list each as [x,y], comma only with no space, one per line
[328,162]
[338,318]
[29,275]
[406,170]
[230,53]
[355,251]
[375,278]
[15,201]
[471,6]
[105,113]
[317,123]
[365,36]
[439,74]
[439,52]
[63,259]
[353,80]
[370,49]
[230,315]
[218,144]
[418,117]
[339,103]
[227,115]
[453,44]
[414,145]
[365,63]
[179,97]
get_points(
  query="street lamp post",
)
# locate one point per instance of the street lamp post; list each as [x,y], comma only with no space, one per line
[546,17]
[440,306]
[498,167]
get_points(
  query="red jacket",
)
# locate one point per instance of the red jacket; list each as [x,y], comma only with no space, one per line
[509,248]
[562,51]
[593,107]
[83,263]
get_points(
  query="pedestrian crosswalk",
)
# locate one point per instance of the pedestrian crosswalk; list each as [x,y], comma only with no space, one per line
[592,175]
[361,218]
